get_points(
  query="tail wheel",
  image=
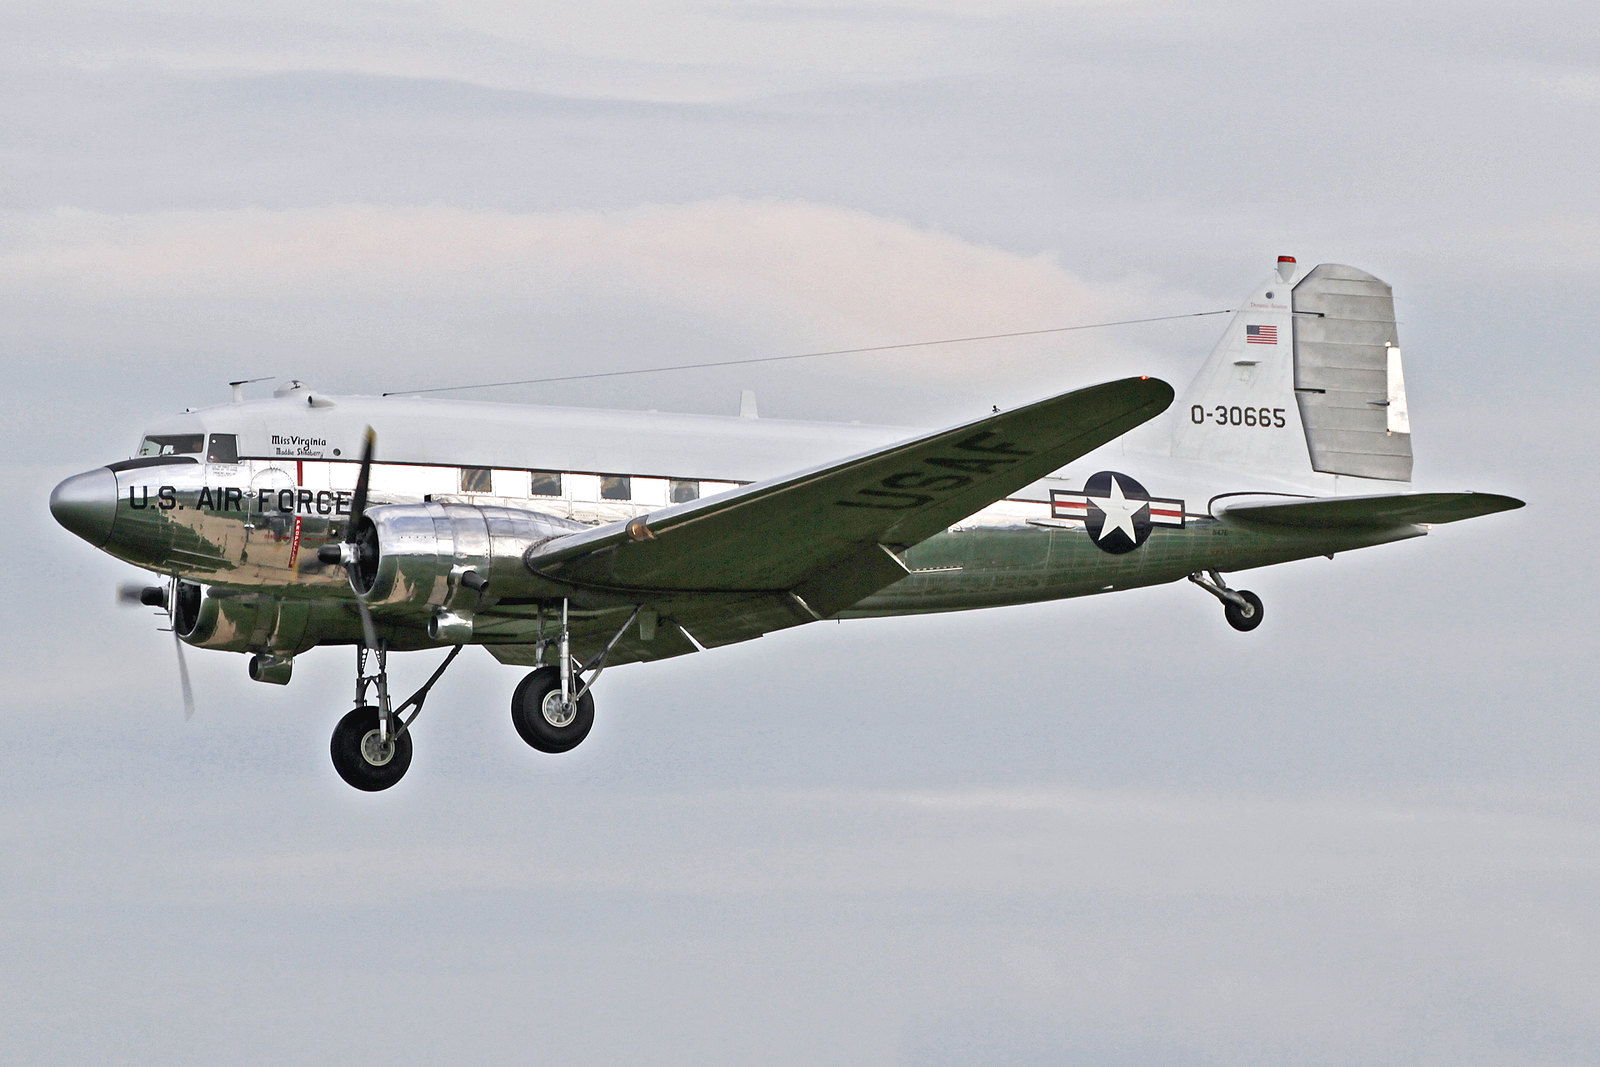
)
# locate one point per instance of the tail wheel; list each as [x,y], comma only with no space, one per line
[362,759]
[1246,617]
[543,719]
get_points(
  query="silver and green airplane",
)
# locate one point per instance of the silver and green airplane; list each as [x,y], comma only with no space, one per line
[569,540]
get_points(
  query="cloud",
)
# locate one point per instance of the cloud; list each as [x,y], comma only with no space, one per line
[636,49]
[715,279]
[413,194]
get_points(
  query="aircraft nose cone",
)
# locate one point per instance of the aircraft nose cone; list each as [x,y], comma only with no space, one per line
[86,504]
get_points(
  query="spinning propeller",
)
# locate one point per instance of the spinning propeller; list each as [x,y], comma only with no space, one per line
[156,596]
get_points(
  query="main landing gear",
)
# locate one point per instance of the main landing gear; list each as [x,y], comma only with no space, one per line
[371,746]
[552,708]
[1241,607]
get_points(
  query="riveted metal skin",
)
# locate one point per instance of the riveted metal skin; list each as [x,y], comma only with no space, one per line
[424,550]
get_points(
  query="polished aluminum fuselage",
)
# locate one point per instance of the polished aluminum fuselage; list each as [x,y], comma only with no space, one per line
[247,524]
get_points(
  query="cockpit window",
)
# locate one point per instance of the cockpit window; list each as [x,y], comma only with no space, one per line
[173,444]
[224,448]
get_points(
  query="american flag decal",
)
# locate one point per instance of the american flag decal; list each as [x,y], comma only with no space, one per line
[1261,335]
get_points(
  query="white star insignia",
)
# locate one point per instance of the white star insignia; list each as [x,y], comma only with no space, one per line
[1119,512]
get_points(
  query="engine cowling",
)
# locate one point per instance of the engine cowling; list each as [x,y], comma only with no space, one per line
[229,621]
[416,556]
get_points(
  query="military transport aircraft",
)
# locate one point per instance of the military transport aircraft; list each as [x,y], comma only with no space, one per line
[569,540]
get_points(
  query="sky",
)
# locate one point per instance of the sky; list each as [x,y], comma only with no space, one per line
[1103,831]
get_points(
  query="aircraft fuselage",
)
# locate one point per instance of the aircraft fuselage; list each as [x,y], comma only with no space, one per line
[262,485]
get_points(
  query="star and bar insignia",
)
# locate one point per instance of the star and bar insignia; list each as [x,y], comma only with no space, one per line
[1116,510]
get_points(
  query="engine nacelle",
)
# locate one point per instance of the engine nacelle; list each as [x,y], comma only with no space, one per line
[208,617]
[446,556]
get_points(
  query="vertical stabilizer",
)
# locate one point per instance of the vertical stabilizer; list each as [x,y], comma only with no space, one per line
[1240,410]
[1306,378]
[1348,379]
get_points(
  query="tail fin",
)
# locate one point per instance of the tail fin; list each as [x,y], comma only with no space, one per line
[1306,378]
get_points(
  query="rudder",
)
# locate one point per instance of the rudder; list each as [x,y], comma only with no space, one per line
[1348,380]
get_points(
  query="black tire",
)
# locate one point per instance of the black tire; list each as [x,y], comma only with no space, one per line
[528,713]
[353,763]
[1247,617]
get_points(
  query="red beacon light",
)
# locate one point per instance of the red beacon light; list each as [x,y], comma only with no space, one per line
[1286,267]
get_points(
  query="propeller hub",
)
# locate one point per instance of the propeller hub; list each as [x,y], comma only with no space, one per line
[362,556]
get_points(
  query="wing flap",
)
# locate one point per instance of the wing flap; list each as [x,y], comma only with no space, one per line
[589,636]
[728,621]
[856,576]
[1371,512]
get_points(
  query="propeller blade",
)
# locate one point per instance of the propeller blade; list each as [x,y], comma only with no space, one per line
[358,504]
[358,507]
[183,677]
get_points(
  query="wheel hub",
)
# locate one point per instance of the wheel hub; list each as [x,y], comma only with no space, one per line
[376,751]
[558,712]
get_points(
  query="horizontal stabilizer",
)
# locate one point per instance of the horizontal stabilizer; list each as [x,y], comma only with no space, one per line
[1370,512]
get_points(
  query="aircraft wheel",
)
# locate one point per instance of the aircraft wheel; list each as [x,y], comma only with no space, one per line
[1247,617]
[543,720]
[361,760]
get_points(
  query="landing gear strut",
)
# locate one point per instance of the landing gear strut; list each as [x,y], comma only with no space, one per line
[552,708]
[371,746]
[1240,607]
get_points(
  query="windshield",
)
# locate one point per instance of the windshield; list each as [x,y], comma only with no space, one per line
[173,444]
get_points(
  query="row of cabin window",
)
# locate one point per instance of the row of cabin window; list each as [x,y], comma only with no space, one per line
[224,449]
[549,483]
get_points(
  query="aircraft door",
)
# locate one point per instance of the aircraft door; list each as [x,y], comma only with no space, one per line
[269,531]
[215,516]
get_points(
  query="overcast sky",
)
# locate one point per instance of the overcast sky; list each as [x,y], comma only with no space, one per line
[1105,831]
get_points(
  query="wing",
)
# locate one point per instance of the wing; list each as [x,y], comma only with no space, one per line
[804,546]
[829,534]
[1368,512]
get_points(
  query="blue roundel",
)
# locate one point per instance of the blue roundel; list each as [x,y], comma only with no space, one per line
[1118,512]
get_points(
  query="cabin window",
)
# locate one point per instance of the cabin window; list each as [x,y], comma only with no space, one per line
[681,491]
[545,483]
[224,448]
[616,487]
[477,480]
[173,444]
